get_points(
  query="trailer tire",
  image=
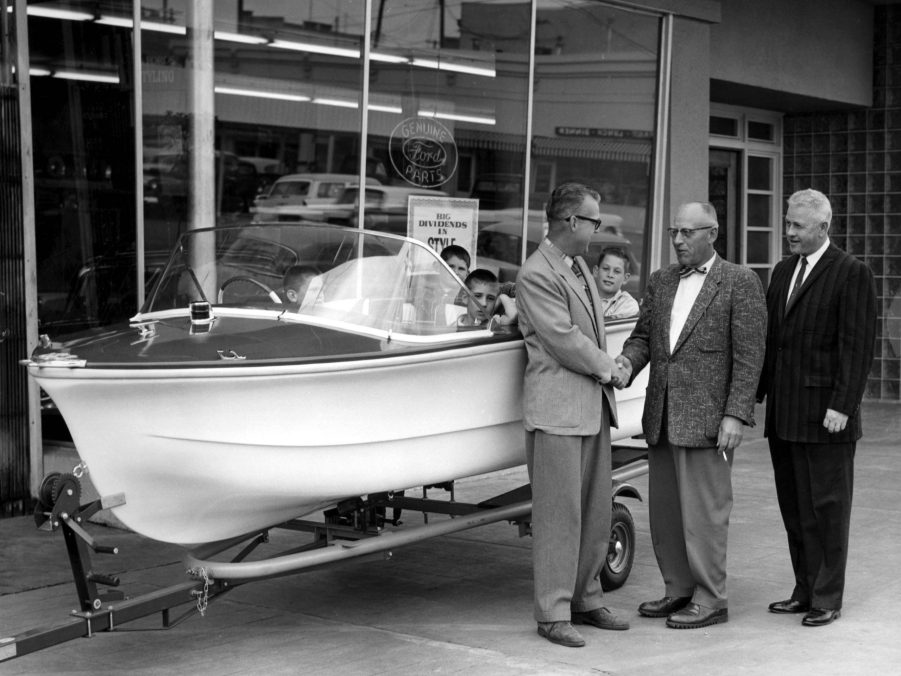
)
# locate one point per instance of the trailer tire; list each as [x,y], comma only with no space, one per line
[622,548]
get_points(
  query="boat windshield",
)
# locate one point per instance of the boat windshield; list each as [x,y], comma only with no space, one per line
[373,280]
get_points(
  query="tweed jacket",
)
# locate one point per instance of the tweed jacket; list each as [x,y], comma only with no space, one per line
[820,350]
[567,371]
[714,368]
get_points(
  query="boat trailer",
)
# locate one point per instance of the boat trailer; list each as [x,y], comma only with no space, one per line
[353,528]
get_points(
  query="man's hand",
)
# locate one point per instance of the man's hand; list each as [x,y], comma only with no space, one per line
[731,432]
[619,377]
[622,375]
[834,421]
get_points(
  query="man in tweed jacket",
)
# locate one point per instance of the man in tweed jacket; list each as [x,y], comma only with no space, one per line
[702,328]
[822,327]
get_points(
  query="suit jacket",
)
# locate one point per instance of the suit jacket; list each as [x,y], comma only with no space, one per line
[819,352]
[714,367]
[567,368]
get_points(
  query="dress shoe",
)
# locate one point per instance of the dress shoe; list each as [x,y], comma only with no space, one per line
[820,617]
[694,616]
[561,633]
[788,606]
[600,618]
[663,607]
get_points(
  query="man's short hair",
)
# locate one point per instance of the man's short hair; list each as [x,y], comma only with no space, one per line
[706,208]
[481,275]
[814,200]
[619,252]
[296,274]
[456,251]
[566,199]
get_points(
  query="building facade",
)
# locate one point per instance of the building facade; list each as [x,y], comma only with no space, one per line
[121,138]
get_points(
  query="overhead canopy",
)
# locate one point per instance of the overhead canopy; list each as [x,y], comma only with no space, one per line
[592,148]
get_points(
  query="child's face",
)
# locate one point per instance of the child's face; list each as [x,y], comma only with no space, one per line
[458,265]
[481,307]
[610,275]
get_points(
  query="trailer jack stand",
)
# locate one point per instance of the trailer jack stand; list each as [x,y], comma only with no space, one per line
[59,508]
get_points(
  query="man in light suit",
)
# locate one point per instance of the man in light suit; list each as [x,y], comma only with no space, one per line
[702,328]
[568,406]
[820,340]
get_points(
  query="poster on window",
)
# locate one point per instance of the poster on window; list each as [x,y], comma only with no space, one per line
[442,221]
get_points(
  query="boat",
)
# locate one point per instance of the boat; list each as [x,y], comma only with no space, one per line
[223,407]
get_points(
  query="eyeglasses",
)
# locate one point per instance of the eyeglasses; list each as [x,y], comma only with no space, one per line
[686,232]
[596,222]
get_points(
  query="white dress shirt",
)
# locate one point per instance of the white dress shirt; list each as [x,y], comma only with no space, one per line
[812,260]
[686,294]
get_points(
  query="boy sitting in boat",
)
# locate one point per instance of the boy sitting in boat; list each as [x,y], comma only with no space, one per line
[486,306]
[611,273]
[296,283]
[457,259]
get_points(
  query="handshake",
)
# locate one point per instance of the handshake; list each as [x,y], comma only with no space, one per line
[621,373]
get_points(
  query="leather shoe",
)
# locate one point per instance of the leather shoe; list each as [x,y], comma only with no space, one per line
[663,607]
[561,633]
[820,617]
[694,616]
[600,618]
[788,606]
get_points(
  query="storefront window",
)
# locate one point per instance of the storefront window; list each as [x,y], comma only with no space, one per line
[252,110]
[81,94]
[594,106]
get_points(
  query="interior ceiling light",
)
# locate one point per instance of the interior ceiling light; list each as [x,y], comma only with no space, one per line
[316,49]
[237,91]
[154,26]
[340,103]
[388,58]
[86,76]
[381,108]
[475,119]
[163,27]
[240,37]
[53,13]
[39,72]
[455,67]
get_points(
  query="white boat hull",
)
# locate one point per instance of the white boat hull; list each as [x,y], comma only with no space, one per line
[204,454]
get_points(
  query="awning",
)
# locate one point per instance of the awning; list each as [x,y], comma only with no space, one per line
[593,149]
[552,146]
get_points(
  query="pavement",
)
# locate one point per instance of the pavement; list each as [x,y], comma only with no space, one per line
[462,603]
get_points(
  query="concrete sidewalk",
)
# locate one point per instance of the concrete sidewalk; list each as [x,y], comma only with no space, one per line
[463,603]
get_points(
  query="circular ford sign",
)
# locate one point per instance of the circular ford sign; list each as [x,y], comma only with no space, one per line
[423,152]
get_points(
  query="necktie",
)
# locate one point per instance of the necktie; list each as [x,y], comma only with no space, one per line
[577,271]
[686,270]
[798,281]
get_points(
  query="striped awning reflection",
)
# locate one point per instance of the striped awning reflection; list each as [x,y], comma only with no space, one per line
[591,148]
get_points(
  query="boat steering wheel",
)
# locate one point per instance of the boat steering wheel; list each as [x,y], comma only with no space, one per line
[273,296]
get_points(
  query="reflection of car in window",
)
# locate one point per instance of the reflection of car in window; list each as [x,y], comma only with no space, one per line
[385,207]
[499,242]
[166,177]
[498,191]
[297,196]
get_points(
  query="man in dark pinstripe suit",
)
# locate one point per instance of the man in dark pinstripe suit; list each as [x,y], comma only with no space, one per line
[821,304]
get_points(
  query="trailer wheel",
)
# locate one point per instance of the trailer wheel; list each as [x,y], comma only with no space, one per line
[622,548]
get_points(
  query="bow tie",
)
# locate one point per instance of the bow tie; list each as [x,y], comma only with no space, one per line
[686,270]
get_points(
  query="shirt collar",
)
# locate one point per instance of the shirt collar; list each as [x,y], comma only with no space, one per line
[816,255]
[569,260]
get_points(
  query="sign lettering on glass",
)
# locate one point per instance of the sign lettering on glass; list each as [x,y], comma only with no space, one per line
[423,152]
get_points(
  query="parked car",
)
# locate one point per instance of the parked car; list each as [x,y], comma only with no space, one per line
[303,196]
[385,207]
[498,191]
[166,177]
